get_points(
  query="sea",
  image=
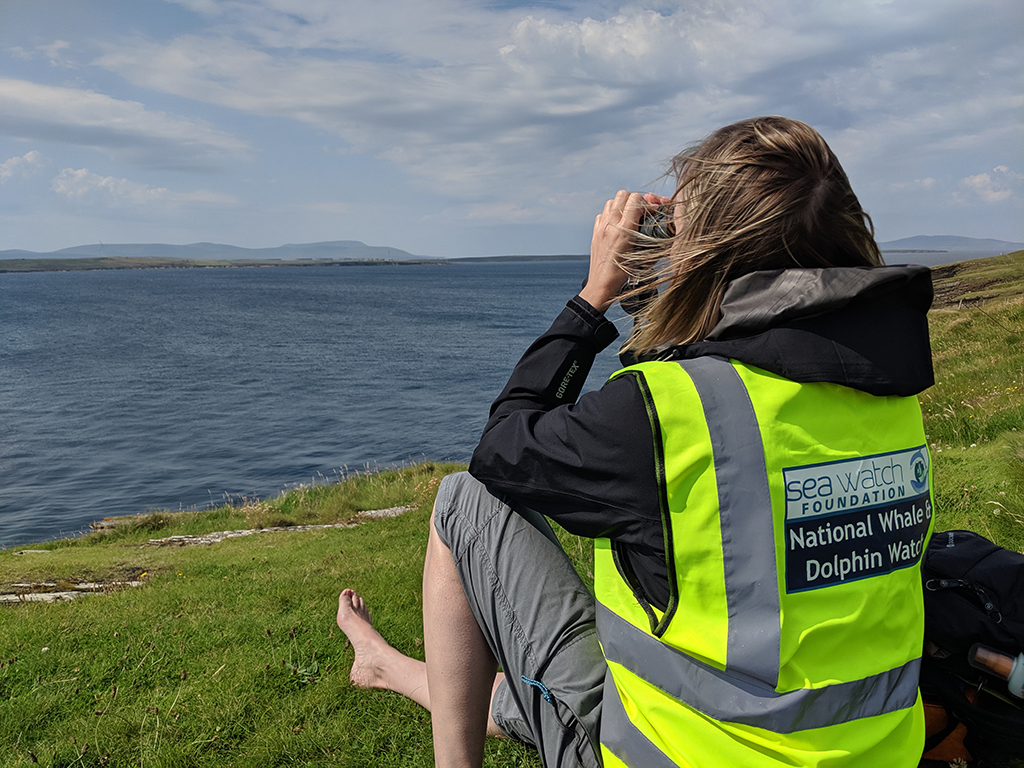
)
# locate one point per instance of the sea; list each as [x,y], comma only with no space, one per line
[129,391]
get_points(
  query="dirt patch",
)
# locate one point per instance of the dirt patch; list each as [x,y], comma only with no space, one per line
[219,536]
[998,277]
[57,591]
[950,293]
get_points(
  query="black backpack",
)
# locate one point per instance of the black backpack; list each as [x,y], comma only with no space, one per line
[973,593]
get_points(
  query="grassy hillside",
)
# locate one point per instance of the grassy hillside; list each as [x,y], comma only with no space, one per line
[974,415]
[228,654]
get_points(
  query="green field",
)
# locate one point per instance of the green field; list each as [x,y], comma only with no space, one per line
[228,654]
[974,415]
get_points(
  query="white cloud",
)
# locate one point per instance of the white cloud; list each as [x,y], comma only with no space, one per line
[54,52]
[125,129]
[451,108]
[498,114]
[993,188]
[473,98]
[23,165]
[83,184]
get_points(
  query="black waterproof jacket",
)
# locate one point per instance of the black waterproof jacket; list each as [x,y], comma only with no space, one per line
[588,462]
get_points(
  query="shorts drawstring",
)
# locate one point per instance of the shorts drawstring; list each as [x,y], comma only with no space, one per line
[543,688]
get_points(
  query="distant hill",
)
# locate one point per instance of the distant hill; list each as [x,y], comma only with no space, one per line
[333,250]
[951,243]
[922,249]
[935,250]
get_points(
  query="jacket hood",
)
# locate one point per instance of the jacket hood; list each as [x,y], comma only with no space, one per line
[762,300]
[865,328]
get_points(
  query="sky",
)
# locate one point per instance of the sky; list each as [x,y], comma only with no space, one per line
[455,128]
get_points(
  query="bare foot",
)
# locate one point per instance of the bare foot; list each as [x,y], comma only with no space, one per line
[368,670]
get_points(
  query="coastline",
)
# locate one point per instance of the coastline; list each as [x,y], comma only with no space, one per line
[88,263]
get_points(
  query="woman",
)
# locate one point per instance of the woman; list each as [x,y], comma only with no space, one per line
[757,488]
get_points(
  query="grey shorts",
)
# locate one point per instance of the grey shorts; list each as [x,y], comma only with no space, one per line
[537,616]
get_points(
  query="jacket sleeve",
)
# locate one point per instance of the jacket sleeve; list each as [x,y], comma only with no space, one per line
[586,462]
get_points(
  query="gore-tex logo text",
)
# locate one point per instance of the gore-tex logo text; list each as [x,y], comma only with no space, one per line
[566,379]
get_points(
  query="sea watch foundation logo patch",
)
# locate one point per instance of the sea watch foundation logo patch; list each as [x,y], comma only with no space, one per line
[855,518]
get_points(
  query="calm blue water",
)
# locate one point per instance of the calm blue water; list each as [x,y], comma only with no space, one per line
[128,391]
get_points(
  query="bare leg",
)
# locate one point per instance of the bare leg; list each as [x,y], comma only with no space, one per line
[378,665]
[459,678]
[460,666]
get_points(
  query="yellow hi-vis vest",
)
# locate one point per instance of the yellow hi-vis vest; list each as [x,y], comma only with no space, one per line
[795,516]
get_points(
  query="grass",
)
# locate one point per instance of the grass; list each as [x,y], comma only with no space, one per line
[974,415]
[228,655]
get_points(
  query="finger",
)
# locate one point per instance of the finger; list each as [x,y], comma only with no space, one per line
[632,200]
[616,204]
[633,209]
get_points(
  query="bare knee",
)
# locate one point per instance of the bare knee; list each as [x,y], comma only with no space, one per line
[434,542]
[492,726]
[438,563]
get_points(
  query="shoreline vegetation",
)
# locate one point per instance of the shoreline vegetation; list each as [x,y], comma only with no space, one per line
[227,653]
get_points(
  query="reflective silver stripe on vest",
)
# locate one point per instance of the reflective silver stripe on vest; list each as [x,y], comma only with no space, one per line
[745,513]
[624,739]
[734,700]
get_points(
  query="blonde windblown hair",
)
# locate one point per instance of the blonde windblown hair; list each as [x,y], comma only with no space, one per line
[765,193]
